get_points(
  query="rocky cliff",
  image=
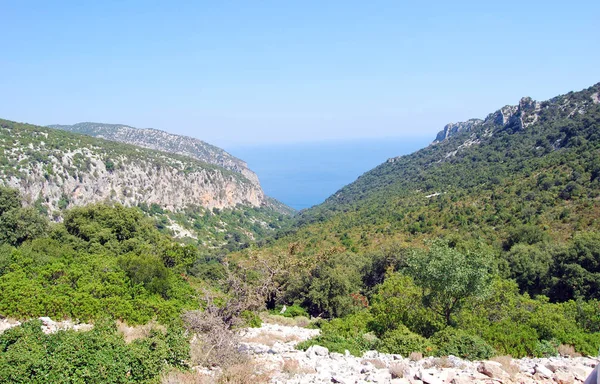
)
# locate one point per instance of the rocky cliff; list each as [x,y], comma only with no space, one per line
[164,141]
[56,169]
[523,115]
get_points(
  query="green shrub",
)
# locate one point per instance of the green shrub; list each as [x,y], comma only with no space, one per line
[399,301]
[402,341]
[349,333]
[291,311]
[546,348]
[27,355]
[459,343]
[251,319]
[511,338]
[336,343]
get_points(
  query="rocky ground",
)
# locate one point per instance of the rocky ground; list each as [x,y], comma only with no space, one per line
[48,325]
[273,348]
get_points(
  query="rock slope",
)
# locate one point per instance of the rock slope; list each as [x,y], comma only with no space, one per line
[163,141]
[56,169]
[523,115]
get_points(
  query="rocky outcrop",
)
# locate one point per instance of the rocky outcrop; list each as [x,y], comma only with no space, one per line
[523,115]
[164,141]
[454,128]
[57,170]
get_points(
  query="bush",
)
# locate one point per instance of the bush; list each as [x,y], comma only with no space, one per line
[336,343]
[101,355]
[291,311]
[215,343]
[546,348]
[510,338]
[402,341]
[398,301]
[349,333]
[456,342]
[251,319]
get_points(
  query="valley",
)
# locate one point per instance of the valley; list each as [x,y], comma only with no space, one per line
[475,258]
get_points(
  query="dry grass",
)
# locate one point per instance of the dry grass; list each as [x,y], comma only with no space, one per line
[245,373]
[178,377]
[567,351]
[507,365]
[302,321]
[397,370]
[299,321]
[292,368]
[377,363]
[270,339]
[214,343]
[138,331]
[415,356]
[442,362]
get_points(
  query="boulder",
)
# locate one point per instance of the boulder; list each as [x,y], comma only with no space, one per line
[370,355]
[542,371]
[316,350]
[562,377]
[428,378]
[493,370]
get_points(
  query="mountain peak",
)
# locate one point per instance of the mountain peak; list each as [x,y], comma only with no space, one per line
[524,114]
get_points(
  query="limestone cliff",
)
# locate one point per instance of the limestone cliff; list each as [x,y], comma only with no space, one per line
[166,142]
[519,117]
[56,169]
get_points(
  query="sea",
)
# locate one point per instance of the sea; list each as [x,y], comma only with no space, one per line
[304,174]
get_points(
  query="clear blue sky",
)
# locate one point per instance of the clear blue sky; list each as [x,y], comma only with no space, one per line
[243,72]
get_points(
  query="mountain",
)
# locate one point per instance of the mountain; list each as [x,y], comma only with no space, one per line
[512,145]
[524,183]
[55,170]
[163,141]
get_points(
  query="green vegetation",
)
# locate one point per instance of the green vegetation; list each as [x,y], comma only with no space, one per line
[100,261]
[227,230]
[516,270]
[471,250]
[36,154]
[27,355]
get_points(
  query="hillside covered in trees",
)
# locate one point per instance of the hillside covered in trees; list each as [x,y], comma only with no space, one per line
[490,233]
[485,243]
[195,201]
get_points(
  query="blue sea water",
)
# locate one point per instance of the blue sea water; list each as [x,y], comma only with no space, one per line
[305,174]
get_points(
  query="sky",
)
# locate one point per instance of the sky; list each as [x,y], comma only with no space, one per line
[243,73]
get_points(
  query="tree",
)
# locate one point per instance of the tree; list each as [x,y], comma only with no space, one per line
[9,199]
[18,224]
[449,278]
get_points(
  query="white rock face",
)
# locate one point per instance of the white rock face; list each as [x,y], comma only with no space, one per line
[268,346]
[79,172]
[166,142]
[521,116]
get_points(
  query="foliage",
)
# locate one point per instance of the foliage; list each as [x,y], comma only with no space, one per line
[459,343]
[251,319]
[449,277]
[402,341]
[102,261]
[98,356]
[349,333]
[398,301]
[18,224]
[327,289]
[293,310]
[546,348]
